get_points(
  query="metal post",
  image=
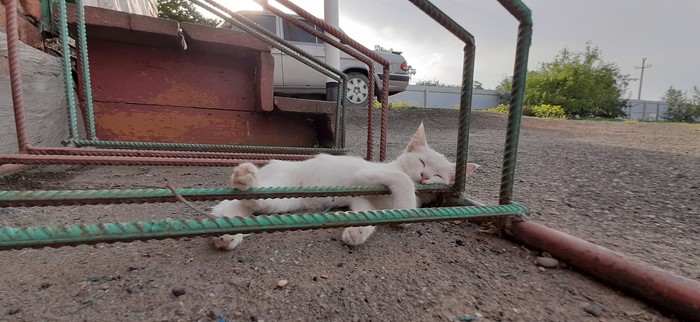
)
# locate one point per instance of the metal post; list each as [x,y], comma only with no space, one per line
[330,15]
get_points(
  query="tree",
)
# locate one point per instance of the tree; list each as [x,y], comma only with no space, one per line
[504,88]
[682,108]
[435,83]
[582,83]
[183,11]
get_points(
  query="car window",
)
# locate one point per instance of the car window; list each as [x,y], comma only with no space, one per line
[265,21]
[294,33]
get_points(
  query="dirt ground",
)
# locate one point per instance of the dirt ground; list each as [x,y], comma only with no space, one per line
[631,187]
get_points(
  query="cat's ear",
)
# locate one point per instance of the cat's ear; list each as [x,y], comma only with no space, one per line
[470,168]
[418,140]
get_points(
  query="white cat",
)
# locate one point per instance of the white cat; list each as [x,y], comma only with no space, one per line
[418,164]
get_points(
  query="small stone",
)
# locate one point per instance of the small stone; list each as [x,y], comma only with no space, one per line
[341,264]
[547,262]
[542,269]
[216,313]
[459,242]
[13,311]
[44,285]
[594,309]
[238,269]
[324,276]
[178,291]
[282,283]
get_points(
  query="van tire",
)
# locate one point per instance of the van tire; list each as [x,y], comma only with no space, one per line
[357,90]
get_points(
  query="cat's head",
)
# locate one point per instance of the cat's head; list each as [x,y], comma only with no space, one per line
[425,165]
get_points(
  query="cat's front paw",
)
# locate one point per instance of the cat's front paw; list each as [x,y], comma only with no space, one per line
[354,236]
[244,176]
[228,242]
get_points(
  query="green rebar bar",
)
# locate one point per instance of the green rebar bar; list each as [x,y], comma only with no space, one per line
[205,147]
[55,236]
[46,20]
[465,98]
[521,12]
[85,70]
[67,70]
[104,196]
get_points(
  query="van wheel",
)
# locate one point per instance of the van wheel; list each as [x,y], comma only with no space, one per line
[357,91]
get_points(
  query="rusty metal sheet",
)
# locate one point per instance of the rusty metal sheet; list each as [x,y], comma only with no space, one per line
[219,40]
[264,81]
[149,123]
[288,104]
[134,74]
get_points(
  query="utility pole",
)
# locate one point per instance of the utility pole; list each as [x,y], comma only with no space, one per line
[641,77]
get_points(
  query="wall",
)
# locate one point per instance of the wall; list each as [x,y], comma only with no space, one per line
[44,98]
[646,110]
[444,97]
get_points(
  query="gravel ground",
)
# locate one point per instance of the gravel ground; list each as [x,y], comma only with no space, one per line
[631,187]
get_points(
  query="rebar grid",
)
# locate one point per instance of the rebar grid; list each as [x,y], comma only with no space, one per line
[56,236]
[85,71]
[522,50]
[207,147]
[263,34]
[165,154]
[344,38]
[465,99]
[15,73]
[126,196]
[335,43]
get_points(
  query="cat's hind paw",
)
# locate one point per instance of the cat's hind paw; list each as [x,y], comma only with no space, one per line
[354,236]
[228,242]
[245,176]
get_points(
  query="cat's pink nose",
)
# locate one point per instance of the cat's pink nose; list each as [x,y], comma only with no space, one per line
[423,177]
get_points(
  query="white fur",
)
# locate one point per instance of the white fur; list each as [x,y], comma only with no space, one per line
[418,164]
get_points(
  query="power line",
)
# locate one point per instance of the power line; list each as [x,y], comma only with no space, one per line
[641,77]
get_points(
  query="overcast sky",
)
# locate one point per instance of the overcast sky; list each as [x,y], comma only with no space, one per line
[666,32]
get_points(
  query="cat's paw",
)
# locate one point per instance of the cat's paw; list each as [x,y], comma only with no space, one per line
[222,209]
[244,176]
[354,236]
[228,242]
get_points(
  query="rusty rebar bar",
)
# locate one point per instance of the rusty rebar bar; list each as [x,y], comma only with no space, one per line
[337,44]
[117,160]
[89,152]
[673,293]
[15,74]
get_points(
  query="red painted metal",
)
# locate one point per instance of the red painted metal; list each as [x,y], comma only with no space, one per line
[163,77]
[163,154]
[344,38]
[15,75]
[673,293]
[154,123]
[117,160]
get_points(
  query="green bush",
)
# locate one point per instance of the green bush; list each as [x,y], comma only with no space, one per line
[501,108]
[395,105]
[548,111]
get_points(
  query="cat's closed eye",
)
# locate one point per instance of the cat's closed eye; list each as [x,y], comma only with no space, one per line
[421,161]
